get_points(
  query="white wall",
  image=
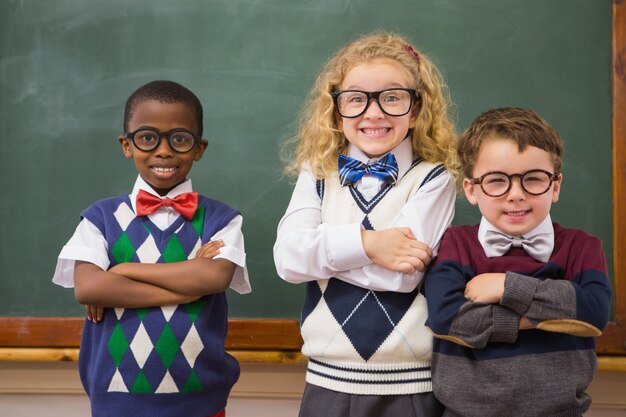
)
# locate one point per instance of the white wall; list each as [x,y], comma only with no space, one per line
[53,389]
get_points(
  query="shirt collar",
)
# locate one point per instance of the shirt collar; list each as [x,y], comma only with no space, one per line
[403,153]
[141,184]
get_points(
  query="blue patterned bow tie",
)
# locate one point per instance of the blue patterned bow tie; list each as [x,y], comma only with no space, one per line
[351,170]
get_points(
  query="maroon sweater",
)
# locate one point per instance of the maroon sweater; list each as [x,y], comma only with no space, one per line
[482,364]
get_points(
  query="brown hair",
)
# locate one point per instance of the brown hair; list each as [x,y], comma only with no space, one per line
[523,126]
[319,140]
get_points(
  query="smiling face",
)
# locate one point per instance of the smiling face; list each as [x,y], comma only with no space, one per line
[374,132]
[162,168]
[516,212]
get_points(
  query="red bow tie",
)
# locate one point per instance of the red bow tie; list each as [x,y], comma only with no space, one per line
[185,204]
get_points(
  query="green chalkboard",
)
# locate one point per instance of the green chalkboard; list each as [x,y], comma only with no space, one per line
[67,67]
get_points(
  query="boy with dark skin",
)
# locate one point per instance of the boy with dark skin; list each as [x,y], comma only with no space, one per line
[152,268]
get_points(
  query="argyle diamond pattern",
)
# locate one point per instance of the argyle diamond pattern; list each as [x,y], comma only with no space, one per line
[148,344]
[367,318]
[356,309]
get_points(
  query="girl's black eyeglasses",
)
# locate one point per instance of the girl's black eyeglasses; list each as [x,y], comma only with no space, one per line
[393,101]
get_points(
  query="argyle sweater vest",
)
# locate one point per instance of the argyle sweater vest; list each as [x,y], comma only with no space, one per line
[361,341]
[159,361]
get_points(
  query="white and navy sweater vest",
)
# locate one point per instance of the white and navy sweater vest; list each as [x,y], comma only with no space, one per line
[169,360]
[361,341]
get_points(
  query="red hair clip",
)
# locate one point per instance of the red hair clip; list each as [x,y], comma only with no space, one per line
[412,52]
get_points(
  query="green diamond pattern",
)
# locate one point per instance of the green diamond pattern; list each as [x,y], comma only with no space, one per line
[118,344]
[193,383]
[141,385]
[167,346]
[193,309]
[123,250]
[141,313]
[198,220]
[174,251]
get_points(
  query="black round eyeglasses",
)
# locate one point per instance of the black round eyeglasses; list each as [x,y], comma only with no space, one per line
[180,140]
[393,101]
[533,182]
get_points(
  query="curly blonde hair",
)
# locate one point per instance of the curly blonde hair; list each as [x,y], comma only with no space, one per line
[319,140]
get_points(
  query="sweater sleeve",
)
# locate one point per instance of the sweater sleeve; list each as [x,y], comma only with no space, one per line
[579,307]
[451,316]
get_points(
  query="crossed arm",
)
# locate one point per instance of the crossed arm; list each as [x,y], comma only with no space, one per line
[393,259]
[396,249]
[136,285]
[488,289]
[474,311]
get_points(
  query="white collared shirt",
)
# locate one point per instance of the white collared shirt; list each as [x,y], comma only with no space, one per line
[323,251]
[545,227]
[89,245]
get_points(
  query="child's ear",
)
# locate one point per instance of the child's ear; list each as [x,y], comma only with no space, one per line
[199,149]
[470,191]
[556,190]
[126,148]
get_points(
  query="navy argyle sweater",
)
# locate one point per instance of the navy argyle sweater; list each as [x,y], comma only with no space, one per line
[482,364]
[160,361]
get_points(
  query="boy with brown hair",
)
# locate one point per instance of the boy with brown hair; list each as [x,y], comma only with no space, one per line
[516,301]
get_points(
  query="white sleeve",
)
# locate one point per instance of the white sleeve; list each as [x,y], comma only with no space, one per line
[307,250]
[234,251]
[86,244]
[428,214]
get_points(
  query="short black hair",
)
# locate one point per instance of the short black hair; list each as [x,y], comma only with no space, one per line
[164,92]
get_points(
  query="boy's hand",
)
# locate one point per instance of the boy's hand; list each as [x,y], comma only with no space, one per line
[396,249]
[210,250]
[526,324]
[94,313]
[485,288]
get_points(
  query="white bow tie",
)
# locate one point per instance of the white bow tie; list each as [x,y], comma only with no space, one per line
[539,246]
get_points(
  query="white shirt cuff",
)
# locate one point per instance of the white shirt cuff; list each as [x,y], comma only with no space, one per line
[345,247]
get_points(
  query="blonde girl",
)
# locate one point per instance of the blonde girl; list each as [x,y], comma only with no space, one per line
[376,161]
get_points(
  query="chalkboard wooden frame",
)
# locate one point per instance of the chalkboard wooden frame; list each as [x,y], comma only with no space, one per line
[274,335]
[613,340]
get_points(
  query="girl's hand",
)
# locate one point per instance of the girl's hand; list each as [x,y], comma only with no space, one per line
[396,249]
[210,250]
[486,288]
[94,313]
